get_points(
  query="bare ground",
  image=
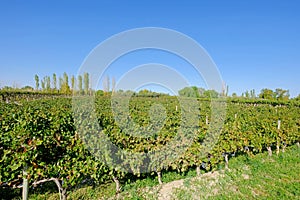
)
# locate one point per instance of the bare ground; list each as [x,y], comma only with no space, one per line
[167,189]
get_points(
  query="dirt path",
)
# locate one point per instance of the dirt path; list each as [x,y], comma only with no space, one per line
[167,189]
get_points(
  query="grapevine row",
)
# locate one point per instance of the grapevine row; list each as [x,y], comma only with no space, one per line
[51,140]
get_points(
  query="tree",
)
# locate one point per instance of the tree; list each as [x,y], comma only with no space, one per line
[37,82]
[247,94]
[106,84]
[195,92]
[144,93]
[86,82]
[281,94]
[7,88]
[65,85]
[211,94]
[113,84]
[267,94]
[48,83]
[80,84]
[234,95]
[252,94]
[27,88]
[66,78]
[99,93]
[201,91]
[189,92]
[225,89]
[54,81]
[297,98]
[60,83]
[43,84]
[73,83]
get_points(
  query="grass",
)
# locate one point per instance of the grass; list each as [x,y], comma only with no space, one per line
[259,176]
[134,188]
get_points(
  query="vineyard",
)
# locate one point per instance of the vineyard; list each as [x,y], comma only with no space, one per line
[60,140]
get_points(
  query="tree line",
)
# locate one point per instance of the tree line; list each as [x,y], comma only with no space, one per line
[81,85]
[269,94]
[61,84]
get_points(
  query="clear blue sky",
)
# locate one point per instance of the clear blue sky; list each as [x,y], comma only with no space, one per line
[255,43]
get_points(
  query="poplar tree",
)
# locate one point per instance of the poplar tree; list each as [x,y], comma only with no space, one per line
[73,83]
[86,82]
[80,84]
[37,82]
[54,81]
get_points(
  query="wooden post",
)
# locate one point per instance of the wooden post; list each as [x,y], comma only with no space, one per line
[25,185]
[277,146]
[226,161]
[277,149]
[159,177]
[198,171]
[269,151]
[176,108]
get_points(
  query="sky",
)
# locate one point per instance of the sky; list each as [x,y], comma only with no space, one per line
[254,44]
